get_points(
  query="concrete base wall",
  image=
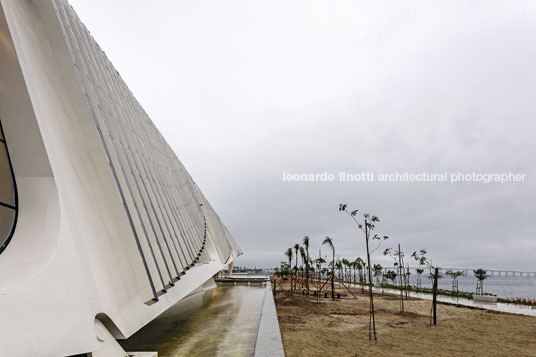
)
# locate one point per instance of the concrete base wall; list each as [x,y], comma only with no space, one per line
[269,342]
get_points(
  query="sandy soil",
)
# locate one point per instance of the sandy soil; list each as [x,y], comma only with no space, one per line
[340,328]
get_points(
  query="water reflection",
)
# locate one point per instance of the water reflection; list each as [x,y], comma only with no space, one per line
[219,322]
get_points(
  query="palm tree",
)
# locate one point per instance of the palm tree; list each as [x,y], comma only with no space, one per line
[329,242]
[360,265]
[306,246]
[288,253]
[346,263]
[454,275]
[338,266]
[353,266]
[303,260]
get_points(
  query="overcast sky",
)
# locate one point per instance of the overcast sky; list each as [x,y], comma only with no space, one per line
[246,90]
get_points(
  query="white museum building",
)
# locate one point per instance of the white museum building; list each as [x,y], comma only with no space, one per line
[101,227]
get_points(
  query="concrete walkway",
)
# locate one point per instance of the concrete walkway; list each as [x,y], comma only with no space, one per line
[269,343]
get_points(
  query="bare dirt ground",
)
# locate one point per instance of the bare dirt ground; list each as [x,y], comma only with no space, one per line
[340,328]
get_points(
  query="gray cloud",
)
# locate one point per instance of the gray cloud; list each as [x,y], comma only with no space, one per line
[246,90]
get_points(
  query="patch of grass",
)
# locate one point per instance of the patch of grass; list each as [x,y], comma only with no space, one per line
[443,292]
[461,294]
[525,302]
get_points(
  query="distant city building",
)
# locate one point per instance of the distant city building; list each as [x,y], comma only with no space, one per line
[101,227]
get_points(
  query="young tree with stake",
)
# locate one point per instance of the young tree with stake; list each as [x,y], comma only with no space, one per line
[367,227]
[348,271]
[454,275]
[391,275]
[435,274]
[419,273]
[378,269]
[397,257]
[480,275]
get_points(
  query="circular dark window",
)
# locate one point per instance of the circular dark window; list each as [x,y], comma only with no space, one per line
[8,195]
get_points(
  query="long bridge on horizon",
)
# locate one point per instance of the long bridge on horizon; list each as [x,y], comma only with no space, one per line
[490,272]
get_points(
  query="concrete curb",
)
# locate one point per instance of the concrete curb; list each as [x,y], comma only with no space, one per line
[269,342]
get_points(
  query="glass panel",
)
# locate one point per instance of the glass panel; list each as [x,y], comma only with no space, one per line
[8,215]
[6,222]
[6,188]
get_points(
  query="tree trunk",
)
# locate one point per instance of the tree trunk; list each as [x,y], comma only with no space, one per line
[333,277]
[372,317]
[290,270]
[401,271]
[307,272]
[296,271]
[434,301]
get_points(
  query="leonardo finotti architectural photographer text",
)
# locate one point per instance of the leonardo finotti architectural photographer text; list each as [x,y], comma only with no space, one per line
[369,176]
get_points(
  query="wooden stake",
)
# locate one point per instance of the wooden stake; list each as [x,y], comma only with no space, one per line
[372,319]
[434,301]
[347,288]
[401,272]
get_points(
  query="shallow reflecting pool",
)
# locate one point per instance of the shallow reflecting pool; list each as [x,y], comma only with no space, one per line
[219,322]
